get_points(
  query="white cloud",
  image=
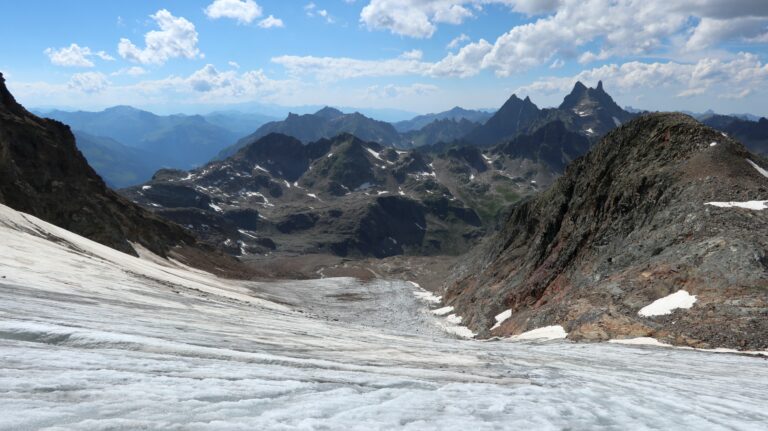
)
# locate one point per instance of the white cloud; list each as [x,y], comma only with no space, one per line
[244,11]
[270,22]
[132,71]
[739,76]
[399,91]
[88,82]
[456,41]
[75,56]
[176,38]
[233,64]
[312,11]
[414,54]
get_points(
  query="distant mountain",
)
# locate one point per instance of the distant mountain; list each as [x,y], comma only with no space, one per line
[753,134]
[42,173]
[661,206]
[178,141]
[588,111]
[119,165]
[239,123]
[514,117]
[445,130]
[325,123]
[457,114]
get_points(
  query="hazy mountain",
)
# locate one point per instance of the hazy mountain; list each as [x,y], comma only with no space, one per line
[325,123]
[179,141]
[239,123]
[457,114]
[119,165]
[445,130]
[658,206]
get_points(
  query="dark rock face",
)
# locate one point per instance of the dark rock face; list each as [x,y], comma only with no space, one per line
[552,144]
[42,173]
[628,224]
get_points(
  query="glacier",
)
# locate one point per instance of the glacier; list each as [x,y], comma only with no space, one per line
[91,338]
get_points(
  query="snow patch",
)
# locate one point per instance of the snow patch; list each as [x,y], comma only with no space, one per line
[750,205]
[501,317]
[216,208]
[713,144]
[667,304]
[443,311]
[146,187]
[616,121]
[554,332]
[762,171]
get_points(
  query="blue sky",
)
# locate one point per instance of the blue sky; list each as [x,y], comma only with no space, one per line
[413,55]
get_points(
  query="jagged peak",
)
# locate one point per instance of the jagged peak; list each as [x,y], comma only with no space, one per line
[600,86]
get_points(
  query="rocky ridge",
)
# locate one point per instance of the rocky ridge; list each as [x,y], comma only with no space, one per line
[662,205]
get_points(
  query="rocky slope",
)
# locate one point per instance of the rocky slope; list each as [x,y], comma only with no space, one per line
[42,173]
[342,196]
[628,224]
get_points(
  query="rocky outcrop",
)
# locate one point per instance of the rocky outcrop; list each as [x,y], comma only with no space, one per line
[626,225]
[42,173]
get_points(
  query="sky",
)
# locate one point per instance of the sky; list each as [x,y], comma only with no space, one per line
[417,56]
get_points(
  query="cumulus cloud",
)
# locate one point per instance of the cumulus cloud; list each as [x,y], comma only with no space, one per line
[243,11]
[617,27]
[75,56]
[176,38]
[88,82]
[735,77]
[456,41]
[270,22]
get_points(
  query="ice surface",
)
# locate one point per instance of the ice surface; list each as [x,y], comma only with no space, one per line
[668,304]
[91,338]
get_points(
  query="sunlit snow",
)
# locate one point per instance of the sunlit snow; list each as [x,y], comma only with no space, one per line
[750,205]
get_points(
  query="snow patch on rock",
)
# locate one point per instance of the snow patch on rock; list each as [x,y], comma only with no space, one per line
[501,317]
[667,304]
